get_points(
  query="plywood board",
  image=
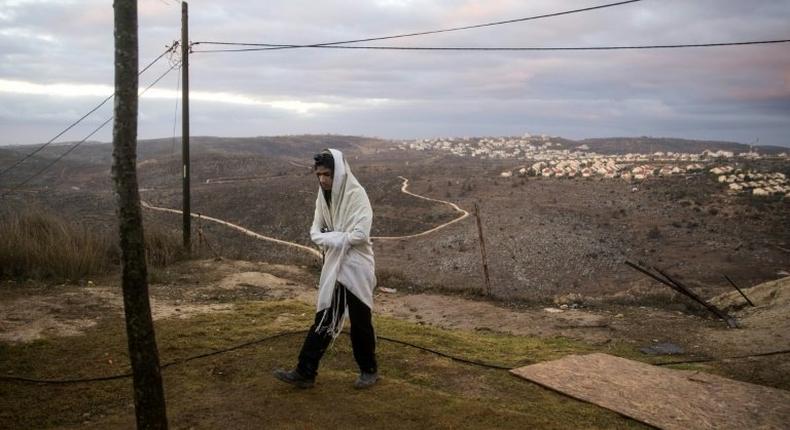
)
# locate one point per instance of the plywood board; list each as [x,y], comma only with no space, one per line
[665,398]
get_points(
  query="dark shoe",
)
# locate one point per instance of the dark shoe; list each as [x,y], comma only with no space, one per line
[295,378]
[366,380]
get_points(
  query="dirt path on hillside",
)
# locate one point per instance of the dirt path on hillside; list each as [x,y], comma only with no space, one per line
[313,251]
[246,231]
[404,189]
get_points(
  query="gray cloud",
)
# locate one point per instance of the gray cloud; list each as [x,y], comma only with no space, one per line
[734,93]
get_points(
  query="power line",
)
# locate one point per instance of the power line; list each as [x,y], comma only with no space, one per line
[73,147]
[264,47]
[169,49]
[175,58]
[20,161]
[421,33]
[175,116]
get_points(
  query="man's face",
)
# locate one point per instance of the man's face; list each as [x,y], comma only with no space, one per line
[324,177]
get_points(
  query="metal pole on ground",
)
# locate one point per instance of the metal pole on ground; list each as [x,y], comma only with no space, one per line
[682,289]
[739,290]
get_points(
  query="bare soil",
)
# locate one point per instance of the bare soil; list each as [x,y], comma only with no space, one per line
[34,311]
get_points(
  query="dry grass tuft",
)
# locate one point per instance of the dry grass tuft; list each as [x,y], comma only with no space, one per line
[37,243]
[163,246]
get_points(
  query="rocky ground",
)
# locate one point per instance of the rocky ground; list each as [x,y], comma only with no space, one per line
[548,238]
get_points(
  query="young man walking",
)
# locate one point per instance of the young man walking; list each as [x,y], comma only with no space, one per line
[341,228]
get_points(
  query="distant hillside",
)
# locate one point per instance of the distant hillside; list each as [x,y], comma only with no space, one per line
[99,153]
[621,145]
[91,161]
[301,146]
[9,156]
[93,158]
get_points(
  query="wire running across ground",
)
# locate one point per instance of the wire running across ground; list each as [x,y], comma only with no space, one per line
[468,361]
[458,359]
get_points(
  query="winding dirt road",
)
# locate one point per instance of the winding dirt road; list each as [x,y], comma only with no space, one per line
[246,231]
[313,251]
[455,207]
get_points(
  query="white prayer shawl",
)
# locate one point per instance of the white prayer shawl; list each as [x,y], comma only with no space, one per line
[348,251]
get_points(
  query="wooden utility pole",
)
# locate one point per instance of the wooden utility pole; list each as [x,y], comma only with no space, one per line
[483,250]
[149,399]
[187,219]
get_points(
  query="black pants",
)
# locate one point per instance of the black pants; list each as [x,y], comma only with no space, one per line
[363,338]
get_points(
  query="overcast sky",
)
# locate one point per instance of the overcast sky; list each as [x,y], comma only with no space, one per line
[57,63]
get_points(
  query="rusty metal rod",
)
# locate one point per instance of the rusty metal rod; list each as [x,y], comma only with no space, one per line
[663,281]
[671,283]
[668,282]
[651,275]
[690,293]
[739,290]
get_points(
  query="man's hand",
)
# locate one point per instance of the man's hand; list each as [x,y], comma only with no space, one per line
[331,239]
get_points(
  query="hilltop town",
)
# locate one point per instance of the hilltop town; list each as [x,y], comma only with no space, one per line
[556,157]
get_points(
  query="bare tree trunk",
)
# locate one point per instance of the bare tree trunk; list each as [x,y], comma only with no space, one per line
[149,396]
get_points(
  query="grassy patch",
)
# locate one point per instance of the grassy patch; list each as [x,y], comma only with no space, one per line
[235,389]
